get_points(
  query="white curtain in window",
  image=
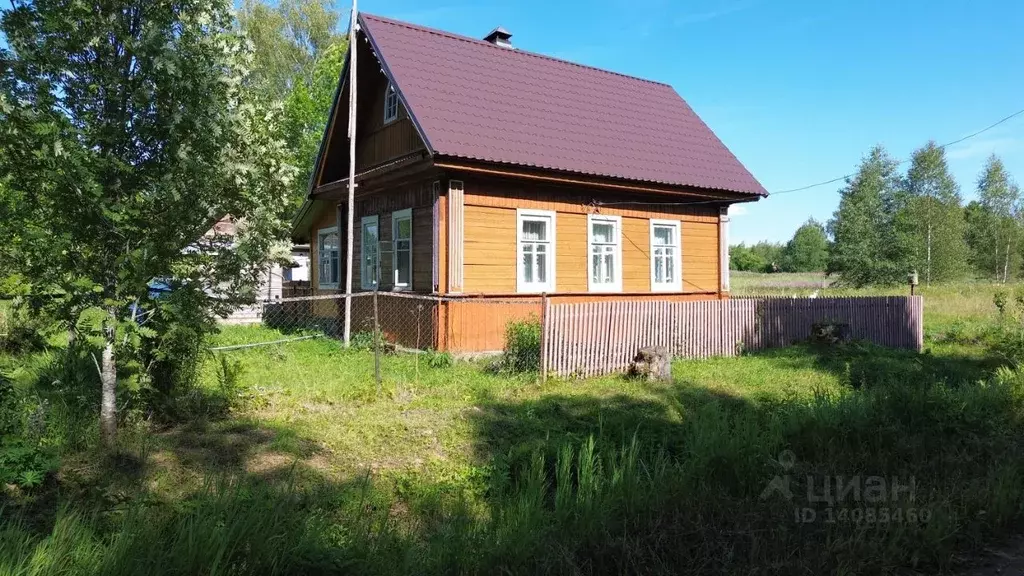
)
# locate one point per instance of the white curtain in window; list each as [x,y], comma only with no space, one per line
[665,244]
[535,246]
[602,250]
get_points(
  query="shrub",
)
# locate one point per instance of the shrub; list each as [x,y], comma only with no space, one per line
[364,340]
[24,459]
[20,329]
[175,329]
[522,346]
[439,360]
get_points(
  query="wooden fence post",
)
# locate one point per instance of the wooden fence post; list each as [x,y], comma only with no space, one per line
[544,337]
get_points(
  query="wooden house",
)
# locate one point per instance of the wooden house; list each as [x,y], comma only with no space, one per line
[486,172]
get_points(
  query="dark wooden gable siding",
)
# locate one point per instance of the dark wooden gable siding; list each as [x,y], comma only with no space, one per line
[376,142]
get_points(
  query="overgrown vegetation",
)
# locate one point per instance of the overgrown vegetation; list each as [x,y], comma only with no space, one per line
[294,463]
[522,346]
[291,459]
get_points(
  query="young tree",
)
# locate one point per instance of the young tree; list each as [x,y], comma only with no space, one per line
[865,249]
[808,249]
[126,132]
[992,227]
[935,216]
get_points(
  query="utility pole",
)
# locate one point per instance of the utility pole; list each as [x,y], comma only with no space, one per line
[353,46]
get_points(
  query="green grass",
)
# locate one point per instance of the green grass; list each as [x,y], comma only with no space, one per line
[460,470]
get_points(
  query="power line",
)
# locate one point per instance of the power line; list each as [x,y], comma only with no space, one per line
[904,161]
[817,184]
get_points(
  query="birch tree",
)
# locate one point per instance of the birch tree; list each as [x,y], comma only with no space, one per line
[995,229]
[866,248]
[933,210]
[126,131]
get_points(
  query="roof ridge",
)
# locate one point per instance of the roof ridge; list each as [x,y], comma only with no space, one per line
[455,36]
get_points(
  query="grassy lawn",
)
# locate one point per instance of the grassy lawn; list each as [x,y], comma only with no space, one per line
[457,469]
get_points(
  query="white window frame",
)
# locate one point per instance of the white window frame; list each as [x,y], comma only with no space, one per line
[522,286]
[616,222]
[390,104]
[367,281]
[396,217]
[677,258]
[319,249]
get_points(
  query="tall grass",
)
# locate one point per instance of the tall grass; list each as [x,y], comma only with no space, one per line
[696,503]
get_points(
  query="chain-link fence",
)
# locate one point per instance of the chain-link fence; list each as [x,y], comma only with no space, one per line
[457,324]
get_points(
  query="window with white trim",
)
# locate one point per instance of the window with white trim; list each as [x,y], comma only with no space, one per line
[369,252]
[604,238]
[327,246]
[535,246]
[401,243]
[666,260]
[390,104]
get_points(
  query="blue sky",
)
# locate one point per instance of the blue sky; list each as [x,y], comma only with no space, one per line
[798,90]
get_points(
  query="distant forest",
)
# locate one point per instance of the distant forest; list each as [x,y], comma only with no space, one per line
[890,223]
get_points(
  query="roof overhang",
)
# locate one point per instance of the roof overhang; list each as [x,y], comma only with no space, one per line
[701,195]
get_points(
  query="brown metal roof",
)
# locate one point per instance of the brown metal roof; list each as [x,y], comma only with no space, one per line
[474,100]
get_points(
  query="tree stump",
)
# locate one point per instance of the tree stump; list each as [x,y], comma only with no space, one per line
[830,333]
[652,363]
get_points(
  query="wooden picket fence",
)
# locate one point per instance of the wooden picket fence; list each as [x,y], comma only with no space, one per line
[593,338]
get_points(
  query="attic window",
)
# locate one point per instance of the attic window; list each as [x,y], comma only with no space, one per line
[390,104]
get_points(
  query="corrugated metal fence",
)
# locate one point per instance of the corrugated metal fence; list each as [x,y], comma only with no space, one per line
[593,338]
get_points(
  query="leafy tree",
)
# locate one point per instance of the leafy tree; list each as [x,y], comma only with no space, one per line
[297,60]
[126,131]
[760,257]
[304,117]
[866,248]
[992,227]
[933,216]
[288,40]
[742,258]
[808,250]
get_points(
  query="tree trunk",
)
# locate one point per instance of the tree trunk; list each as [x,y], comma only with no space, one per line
[1006,264]
[996,258]
[928,267]
[108,398]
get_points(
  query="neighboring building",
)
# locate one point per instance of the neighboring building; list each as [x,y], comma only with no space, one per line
[299,269]
[490,172]
[271,284]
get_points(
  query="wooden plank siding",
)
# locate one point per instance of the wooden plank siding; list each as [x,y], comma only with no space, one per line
[419,197]
[456,236]
[376,142]
[476,320]
[490,239]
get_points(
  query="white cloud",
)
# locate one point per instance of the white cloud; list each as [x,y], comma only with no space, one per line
[738,210]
